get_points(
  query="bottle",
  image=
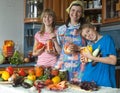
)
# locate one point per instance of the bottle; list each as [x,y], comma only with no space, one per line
[90,4]
[99,18]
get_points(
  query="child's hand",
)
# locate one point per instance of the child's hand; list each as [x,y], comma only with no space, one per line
[87,53]
[83,59]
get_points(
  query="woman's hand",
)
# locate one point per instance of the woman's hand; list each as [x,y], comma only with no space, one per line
[73,48]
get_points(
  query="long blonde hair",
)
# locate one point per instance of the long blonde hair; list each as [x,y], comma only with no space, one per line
[51,13]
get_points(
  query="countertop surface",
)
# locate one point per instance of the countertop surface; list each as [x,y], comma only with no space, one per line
[7,88]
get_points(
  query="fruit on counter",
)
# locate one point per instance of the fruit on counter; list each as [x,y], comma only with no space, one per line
[5,75]
[28,81]
[39,84]
[10,69]
[31,77]
[13,77]
[22,72]
[58,87]
[31,71]
[16,59]
[54,72]
[86,85]
[8,48]
[56,79]
[40,45]
[2,58]
[1,79]
[26,59]
[48,82]
[18,81]
[26,85]
[39,71]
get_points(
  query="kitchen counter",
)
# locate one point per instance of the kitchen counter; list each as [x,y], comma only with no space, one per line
[7,88]
[21,65]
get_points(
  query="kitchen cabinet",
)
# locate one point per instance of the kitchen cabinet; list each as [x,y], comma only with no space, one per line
[34,8]
[110,11]
[93,11]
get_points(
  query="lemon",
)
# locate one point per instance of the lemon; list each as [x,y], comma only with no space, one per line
[56,79]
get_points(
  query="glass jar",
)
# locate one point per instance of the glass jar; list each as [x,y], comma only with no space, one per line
[90,4]
[63,74]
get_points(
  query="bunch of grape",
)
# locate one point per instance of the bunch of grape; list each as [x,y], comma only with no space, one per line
[88,85]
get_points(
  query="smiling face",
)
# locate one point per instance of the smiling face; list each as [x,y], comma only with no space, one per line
[75,13]
[47,19]
[89,32]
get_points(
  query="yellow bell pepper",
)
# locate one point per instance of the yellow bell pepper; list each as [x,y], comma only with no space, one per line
[90,48]
[31,77]
[5,75]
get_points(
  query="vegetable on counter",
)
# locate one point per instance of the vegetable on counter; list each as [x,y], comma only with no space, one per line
[22,72]
[10,69]
[5,75]
[16,59]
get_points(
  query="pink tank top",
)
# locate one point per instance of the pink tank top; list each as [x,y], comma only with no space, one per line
[45,58]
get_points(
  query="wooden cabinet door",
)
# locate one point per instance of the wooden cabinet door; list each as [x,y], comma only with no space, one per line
[110,13]
[59,6]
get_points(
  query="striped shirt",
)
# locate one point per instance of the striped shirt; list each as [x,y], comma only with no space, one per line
[45,58]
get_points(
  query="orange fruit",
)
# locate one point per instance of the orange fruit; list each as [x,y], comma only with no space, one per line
[38,71]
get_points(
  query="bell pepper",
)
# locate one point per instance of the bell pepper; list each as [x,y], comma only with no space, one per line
[21,72]
[10,69]
[5,75]
[31,77]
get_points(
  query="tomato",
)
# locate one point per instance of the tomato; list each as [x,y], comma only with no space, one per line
[10,70]
[22,72]
[31,71]
[40,45]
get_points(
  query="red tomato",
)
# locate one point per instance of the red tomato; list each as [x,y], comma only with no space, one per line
[22,72]
[10,70]
[40,45]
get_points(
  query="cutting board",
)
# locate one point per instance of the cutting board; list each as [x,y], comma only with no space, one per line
[5,82]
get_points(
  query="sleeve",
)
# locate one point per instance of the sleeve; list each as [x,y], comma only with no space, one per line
[36,36]
[60,34]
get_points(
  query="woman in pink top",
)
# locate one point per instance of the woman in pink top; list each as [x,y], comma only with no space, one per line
[47,32]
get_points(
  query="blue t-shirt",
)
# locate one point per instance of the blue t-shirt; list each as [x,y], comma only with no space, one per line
[103,74]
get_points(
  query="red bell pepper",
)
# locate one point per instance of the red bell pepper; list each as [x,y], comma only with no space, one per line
[10,70]
[22,72]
